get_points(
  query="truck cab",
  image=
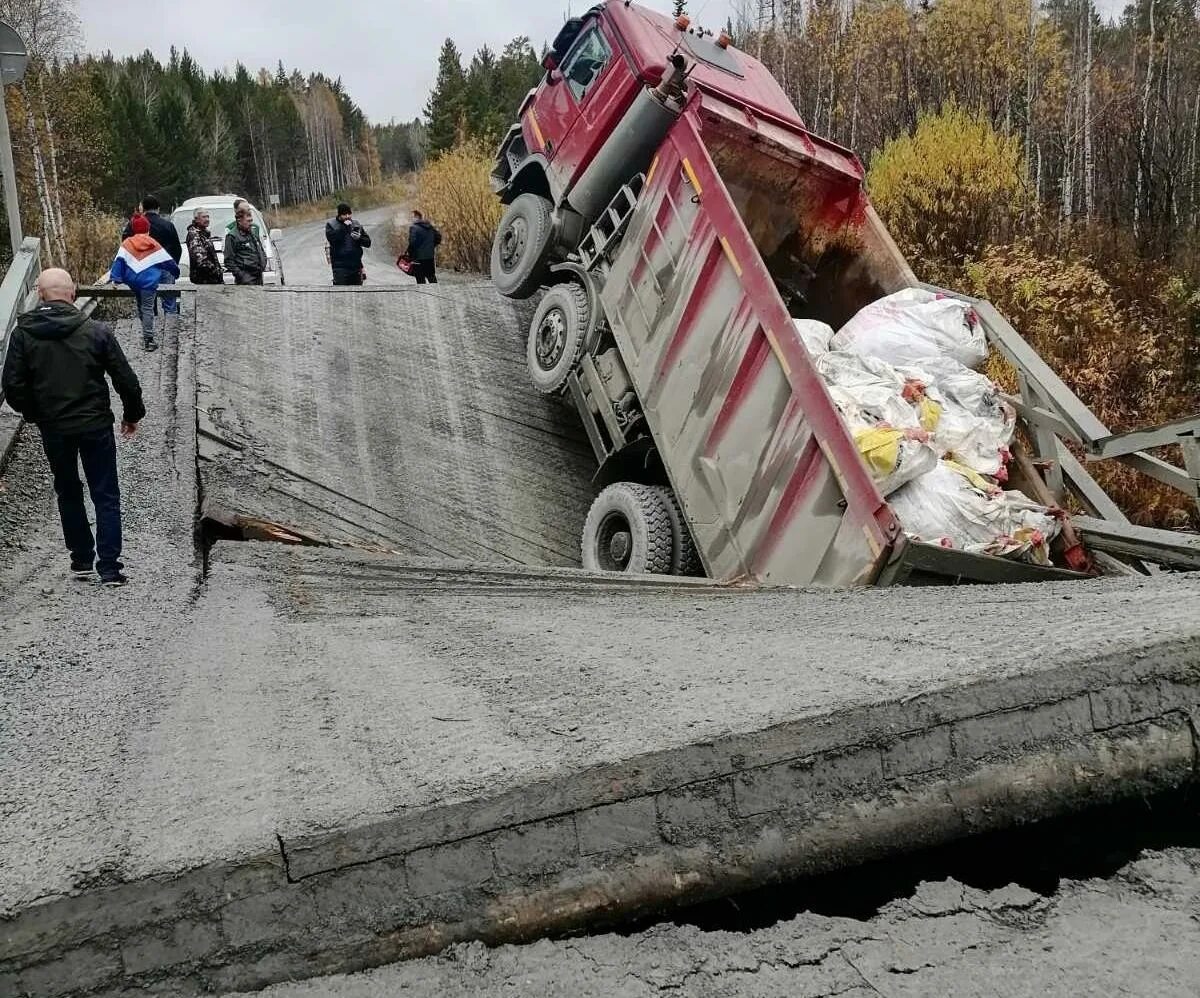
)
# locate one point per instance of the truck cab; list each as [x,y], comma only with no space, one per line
[575,142]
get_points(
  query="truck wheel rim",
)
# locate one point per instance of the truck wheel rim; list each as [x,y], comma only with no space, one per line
[551,339]
[512,243]
[614,543]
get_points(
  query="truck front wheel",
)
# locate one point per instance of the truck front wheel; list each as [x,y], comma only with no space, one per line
[629,529]
[556,336]
[522,245]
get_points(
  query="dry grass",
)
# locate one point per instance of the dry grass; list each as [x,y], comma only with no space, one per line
[397,191]
[454,193]
[92,243]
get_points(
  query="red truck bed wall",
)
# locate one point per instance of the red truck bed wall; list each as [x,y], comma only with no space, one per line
[769,478]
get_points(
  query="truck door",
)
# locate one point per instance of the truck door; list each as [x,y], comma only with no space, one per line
[584,78]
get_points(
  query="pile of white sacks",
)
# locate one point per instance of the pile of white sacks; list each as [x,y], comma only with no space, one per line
[934,432]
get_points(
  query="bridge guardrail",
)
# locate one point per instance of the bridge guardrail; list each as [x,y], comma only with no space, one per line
[16,288]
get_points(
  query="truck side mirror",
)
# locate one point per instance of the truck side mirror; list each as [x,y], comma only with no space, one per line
[550,65]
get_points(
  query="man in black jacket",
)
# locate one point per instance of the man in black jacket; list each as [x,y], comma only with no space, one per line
[423,241]
[162,230]
[347,239]
[54,376]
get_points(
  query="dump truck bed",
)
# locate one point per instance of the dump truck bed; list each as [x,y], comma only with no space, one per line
[767,473]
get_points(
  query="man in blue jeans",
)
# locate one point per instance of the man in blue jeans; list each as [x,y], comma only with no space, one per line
[54,373]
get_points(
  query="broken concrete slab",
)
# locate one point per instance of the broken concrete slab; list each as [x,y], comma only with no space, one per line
[399,418]
[1135,933]
[350,760]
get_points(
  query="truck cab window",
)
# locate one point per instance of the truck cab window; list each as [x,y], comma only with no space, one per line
[586,62]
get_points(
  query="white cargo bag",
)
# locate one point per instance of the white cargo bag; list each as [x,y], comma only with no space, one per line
[954,507]
[814,335]
[976,425]
[910,325]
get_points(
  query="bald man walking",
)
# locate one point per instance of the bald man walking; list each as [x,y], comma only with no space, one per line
[54,376]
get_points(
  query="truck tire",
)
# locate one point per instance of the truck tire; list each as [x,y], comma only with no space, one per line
[556,336]
[685,559]
[629,529]
[522,245]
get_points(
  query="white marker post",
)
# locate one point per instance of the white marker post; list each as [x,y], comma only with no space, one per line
[14,57]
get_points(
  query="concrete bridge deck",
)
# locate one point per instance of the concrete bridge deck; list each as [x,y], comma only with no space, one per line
[276,762]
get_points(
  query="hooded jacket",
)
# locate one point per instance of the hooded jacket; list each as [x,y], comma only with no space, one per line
[423,241]
[141,263]
[55,366]
[345,253]
[162,230]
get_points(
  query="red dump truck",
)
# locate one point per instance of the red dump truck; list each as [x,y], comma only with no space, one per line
[663,186]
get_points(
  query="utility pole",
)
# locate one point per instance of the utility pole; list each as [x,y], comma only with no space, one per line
[13,59]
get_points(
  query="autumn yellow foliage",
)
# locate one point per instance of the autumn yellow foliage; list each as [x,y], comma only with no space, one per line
[454,193]
[947,190]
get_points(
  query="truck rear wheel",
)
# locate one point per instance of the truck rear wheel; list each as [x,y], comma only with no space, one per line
[521,246]
[629,529]
[685,559]
[556,336]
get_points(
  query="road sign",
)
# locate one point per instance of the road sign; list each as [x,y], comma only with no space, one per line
[14,57]
[274,199]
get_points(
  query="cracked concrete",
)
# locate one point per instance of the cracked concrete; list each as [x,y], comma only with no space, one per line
[314,760]
[400,419]
[1137,933]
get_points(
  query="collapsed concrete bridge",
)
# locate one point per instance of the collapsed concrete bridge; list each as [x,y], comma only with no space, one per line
[416,723]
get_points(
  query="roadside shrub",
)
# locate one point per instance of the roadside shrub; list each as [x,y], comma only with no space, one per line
[92,241]
[1127,360]
[947,190]
[454,194]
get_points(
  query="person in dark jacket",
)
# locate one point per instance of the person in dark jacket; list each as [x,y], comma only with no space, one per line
[347,239]
[244,253]
[54,376]
[423,241]
[162,231]
[203,265]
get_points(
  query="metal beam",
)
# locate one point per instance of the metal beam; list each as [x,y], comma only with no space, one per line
[1036,416]
[1088,489]
[1119,444]
[1167,547]
[1160,470]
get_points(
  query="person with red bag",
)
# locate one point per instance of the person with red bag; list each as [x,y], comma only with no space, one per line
[419,259]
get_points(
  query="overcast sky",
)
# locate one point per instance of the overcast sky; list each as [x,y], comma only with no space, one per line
[384,50]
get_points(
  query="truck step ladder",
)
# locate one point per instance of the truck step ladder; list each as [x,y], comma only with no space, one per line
[608,229]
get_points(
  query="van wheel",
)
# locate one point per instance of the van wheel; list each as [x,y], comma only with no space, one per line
[629,529]
[556,336]
[685,559]
[521,246]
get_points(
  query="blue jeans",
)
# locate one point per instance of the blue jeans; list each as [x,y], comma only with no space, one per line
[97,449]
[145,298]
[170,305]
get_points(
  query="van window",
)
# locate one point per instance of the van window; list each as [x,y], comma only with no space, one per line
[586,62]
